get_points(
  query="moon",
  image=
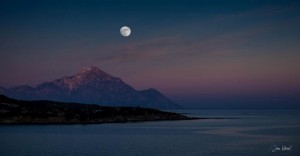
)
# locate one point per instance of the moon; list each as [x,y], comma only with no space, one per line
[125,31]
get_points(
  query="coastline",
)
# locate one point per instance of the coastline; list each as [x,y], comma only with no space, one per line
[50,112]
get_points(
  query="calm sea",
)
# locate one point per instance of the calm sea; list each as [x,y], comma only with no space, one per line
[253,133]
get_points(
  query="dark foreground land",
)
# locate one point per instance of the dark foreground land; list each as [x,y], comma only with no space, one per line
[48,112]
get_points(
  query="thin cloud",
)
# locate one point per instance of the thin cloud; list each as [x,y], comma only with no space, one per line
[176,47]
[139,50]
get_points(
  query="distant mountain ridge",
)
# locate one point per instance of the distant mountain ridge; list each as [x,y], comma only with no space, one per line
[92,85]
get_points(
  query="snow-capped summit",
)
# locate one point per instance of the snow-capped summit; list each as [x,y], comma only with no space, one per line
[92,70]
[88,75]
[92,73]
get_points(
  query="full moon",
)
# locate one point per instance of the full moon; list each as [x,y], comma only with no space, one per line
[125,31]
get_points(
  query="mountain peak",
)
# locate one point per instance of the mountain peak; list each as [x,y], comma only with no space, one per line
[92,85]
[88,75]
[94,71]
[91,69]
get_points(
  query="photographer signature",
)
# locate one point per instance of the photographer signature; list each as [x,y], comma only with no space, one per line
[281,148]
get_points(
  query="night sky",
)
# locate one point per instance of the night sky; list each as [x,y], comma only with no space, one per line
[202,54]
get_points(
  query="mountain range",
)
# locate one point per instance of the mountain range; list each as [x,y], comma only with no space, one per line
[92,86]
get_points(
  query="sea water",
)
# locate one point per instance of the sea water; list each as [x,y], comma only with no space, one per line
[245,132]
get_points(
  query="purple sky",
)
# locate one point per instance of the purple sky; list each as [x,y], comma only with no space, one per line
[186,50]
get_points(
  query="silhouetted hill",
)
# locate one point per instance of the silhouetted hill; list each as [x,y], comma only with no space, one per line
[49,112]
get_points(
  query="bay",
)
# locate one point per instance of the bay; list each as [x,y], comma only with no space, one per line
[251,132]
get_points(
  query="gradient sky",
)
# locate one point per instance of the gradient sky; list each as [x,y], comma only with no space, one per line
[199,53]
